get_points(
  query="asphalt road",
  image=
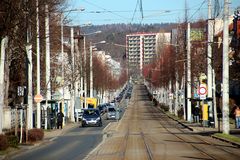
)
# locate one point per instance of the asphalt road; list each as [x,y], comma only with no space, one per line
[74,144]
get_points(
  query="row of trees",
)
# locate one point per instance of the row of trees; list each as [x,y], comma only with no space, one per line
[168,71]
[18,24]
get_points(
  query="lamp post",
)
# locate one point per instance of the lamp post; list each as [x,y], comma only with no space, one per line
[38,65]
[85,62]
[91,67]
[62,55]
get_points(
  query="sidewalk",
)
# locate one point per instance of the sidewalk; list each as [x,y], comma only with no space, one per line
[49,135]
[198,128]
[53,133]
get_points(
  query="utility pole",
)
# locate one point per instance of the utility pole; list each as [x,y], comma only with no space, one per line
[62,54]
[48,67]
[30,100]
[176,95]
[85,72]
[73,77]
[225,72]
[91,65]
[185,81]
[81,76]
[38,65]
[4,43]
[189,106]
[91,71]
[209,60]
[29,107]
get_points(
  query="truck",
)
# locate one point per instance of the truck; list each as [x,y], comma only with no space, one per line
[91,102]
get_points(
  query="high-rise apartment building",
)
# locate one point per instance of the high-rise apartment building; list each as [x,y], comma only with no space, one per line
[143,48]
[140,50]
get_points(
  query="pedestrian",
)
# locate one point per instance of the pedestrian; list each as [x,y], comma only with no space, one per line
[196,114]
[237,116]
[60,116]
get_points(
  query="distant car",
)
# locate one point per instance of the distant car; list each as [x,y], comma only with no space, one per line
[111,112]
[102,108]
[91,117]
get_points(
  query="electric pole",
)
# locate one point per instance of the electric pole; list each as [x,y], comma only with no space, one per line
[48,67]
[38,65]
[189,106]
[30,100]
[4,43]
[209,60]
[73,86]
[225,72]
[91,70]
[85,72]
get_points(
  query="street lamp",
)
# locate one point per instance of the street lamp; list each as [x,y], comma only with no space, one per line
[91,67]
[85,62]
[62,54]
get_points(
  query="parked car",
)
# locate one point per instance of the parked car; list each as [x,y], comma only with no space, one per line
[111,112]
[91,117]
[102,108]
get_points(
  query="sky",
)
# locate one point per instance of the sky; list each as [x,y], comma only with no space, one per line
[98,12]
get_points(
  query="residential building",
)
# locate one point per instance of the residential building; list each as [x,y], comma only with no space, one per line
[141,49]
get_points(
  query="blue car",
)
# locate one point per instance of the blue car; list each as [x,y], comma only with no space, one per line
[91,117]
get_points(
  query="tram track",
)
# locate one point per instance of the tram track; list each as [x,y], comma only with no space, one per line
[145,132]
[167,120]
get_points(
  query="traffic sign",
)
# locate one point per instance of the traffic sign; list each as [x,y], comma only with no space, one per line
[202,91]
[38,98]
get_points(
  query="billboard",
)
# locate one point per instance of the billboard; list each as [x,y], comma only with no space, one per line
[197,34]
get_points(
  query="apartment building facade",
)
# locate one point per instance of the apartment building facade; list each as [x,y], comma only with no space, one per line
[140,50]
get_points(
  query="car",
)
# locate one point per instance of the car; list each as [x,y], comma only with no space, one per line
[102,108]
[91,117]
[111,112]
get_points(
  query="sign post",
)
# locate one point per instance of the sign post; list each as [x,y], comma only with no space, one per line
[202,91]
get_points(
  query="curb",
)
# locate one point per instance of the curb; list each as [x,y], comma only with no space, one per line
[215,137]
[226,140]
[184,125]
[21,149]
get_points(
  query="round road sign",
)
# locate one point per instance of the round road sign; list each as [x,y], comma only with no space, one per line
[38,98]
[202,90]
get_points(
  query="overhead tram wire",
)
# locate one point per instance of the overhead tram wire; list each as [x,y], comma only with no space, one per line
[216,8]
[138,4]
[90,3]
[197,10]
[134,11]
[141,8]
[148,18]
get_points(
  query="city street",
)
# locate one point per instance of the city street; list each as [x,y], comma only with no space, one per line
[159,80]
[145,132]
[75,143]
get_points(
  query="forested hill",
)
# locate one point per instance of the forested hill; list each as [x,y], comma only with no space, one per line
[116,33]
